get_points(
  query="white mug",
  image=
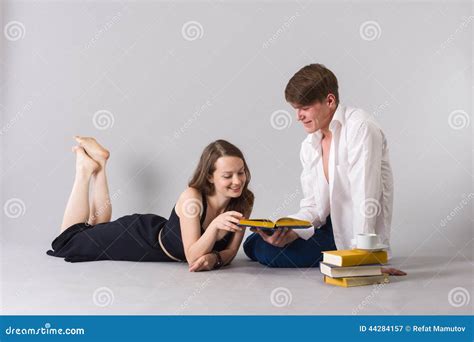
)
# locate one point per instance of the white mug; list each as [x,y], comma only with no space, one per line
[367,241]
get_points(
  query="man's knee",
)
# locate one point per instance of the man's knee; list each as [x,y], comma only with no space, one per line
[297,254]
[250,244]
[259,250]
[271,262]
[270,256]
[290,261]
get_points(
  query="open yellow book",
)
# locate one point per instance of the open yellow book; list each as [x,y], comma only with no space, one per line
[284,222]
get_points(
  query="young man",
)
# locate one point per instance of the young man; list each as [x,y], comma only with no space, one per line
[347,179]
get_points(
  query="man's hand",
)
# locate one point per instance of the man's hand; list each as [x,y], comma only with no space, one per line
[204,263]
[393,271]
[280,238]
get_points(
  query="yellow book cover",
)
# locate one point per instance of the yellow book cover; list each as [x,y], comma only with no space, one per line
[357,281]
[284,222]
[354,257]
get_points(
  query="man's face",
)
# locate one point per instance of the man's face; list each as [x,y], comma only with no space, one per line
[313,116]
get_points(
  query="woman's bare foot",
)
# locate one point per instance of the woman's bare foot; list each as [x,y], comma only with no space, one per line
[85,165]
[93,149]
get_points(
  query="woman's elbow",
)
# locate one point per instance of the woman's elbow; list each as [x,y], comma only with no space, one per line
[191,258]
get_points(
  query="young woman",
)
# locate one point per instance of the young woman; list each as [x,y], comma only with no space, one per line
[201,229]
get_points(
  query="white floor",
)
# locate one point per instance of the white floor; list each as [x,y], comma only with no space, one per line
[35,283]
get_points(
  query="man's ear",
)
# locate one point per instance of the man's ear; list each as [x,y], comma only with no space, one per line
[331,100]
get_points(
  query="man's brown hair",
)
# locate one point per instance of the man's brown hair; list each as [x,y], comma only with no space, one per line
[311,84]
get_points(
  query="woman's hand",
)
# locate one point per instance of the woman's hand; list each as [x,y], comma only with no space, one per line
[204,263]
[227,221]
[392,271]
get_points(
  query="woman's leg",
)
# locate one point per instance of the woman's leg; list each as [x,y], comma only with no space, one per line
[100,206]
[77,208]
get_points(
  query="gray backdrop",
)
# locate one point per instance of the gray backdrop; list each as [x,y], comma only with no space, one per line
[157,81]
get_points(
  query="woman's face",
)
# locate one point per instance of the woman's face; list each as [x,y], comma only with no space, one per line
[229,177]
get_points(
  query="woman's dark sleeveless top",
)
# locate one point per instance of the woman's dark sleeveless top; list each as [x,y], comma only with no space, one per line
[172,240]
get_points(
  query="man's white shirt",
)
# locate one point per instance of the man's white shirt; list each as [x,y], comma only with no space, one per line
[359,195]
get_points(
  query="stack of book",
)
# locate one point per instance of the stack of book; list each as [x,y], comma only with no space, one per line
[353,267]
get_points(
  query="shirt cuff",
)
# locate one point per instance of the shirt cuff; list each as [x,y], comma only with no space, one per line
[305,234]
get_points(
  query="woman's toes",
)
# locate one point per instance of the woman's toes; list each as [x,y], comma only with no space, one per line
[93,148]
[82,140]
[76,148]
[84,162]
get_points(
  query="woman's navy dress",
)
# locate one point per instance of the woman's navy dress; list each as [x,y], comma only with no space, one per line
[137,237]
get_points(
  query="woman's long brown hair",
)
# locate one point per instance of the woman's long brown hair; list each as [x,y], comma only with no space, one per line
[206,167]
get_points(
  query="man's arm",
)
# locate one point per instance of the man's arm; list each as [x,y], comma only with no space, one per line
[365,150]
